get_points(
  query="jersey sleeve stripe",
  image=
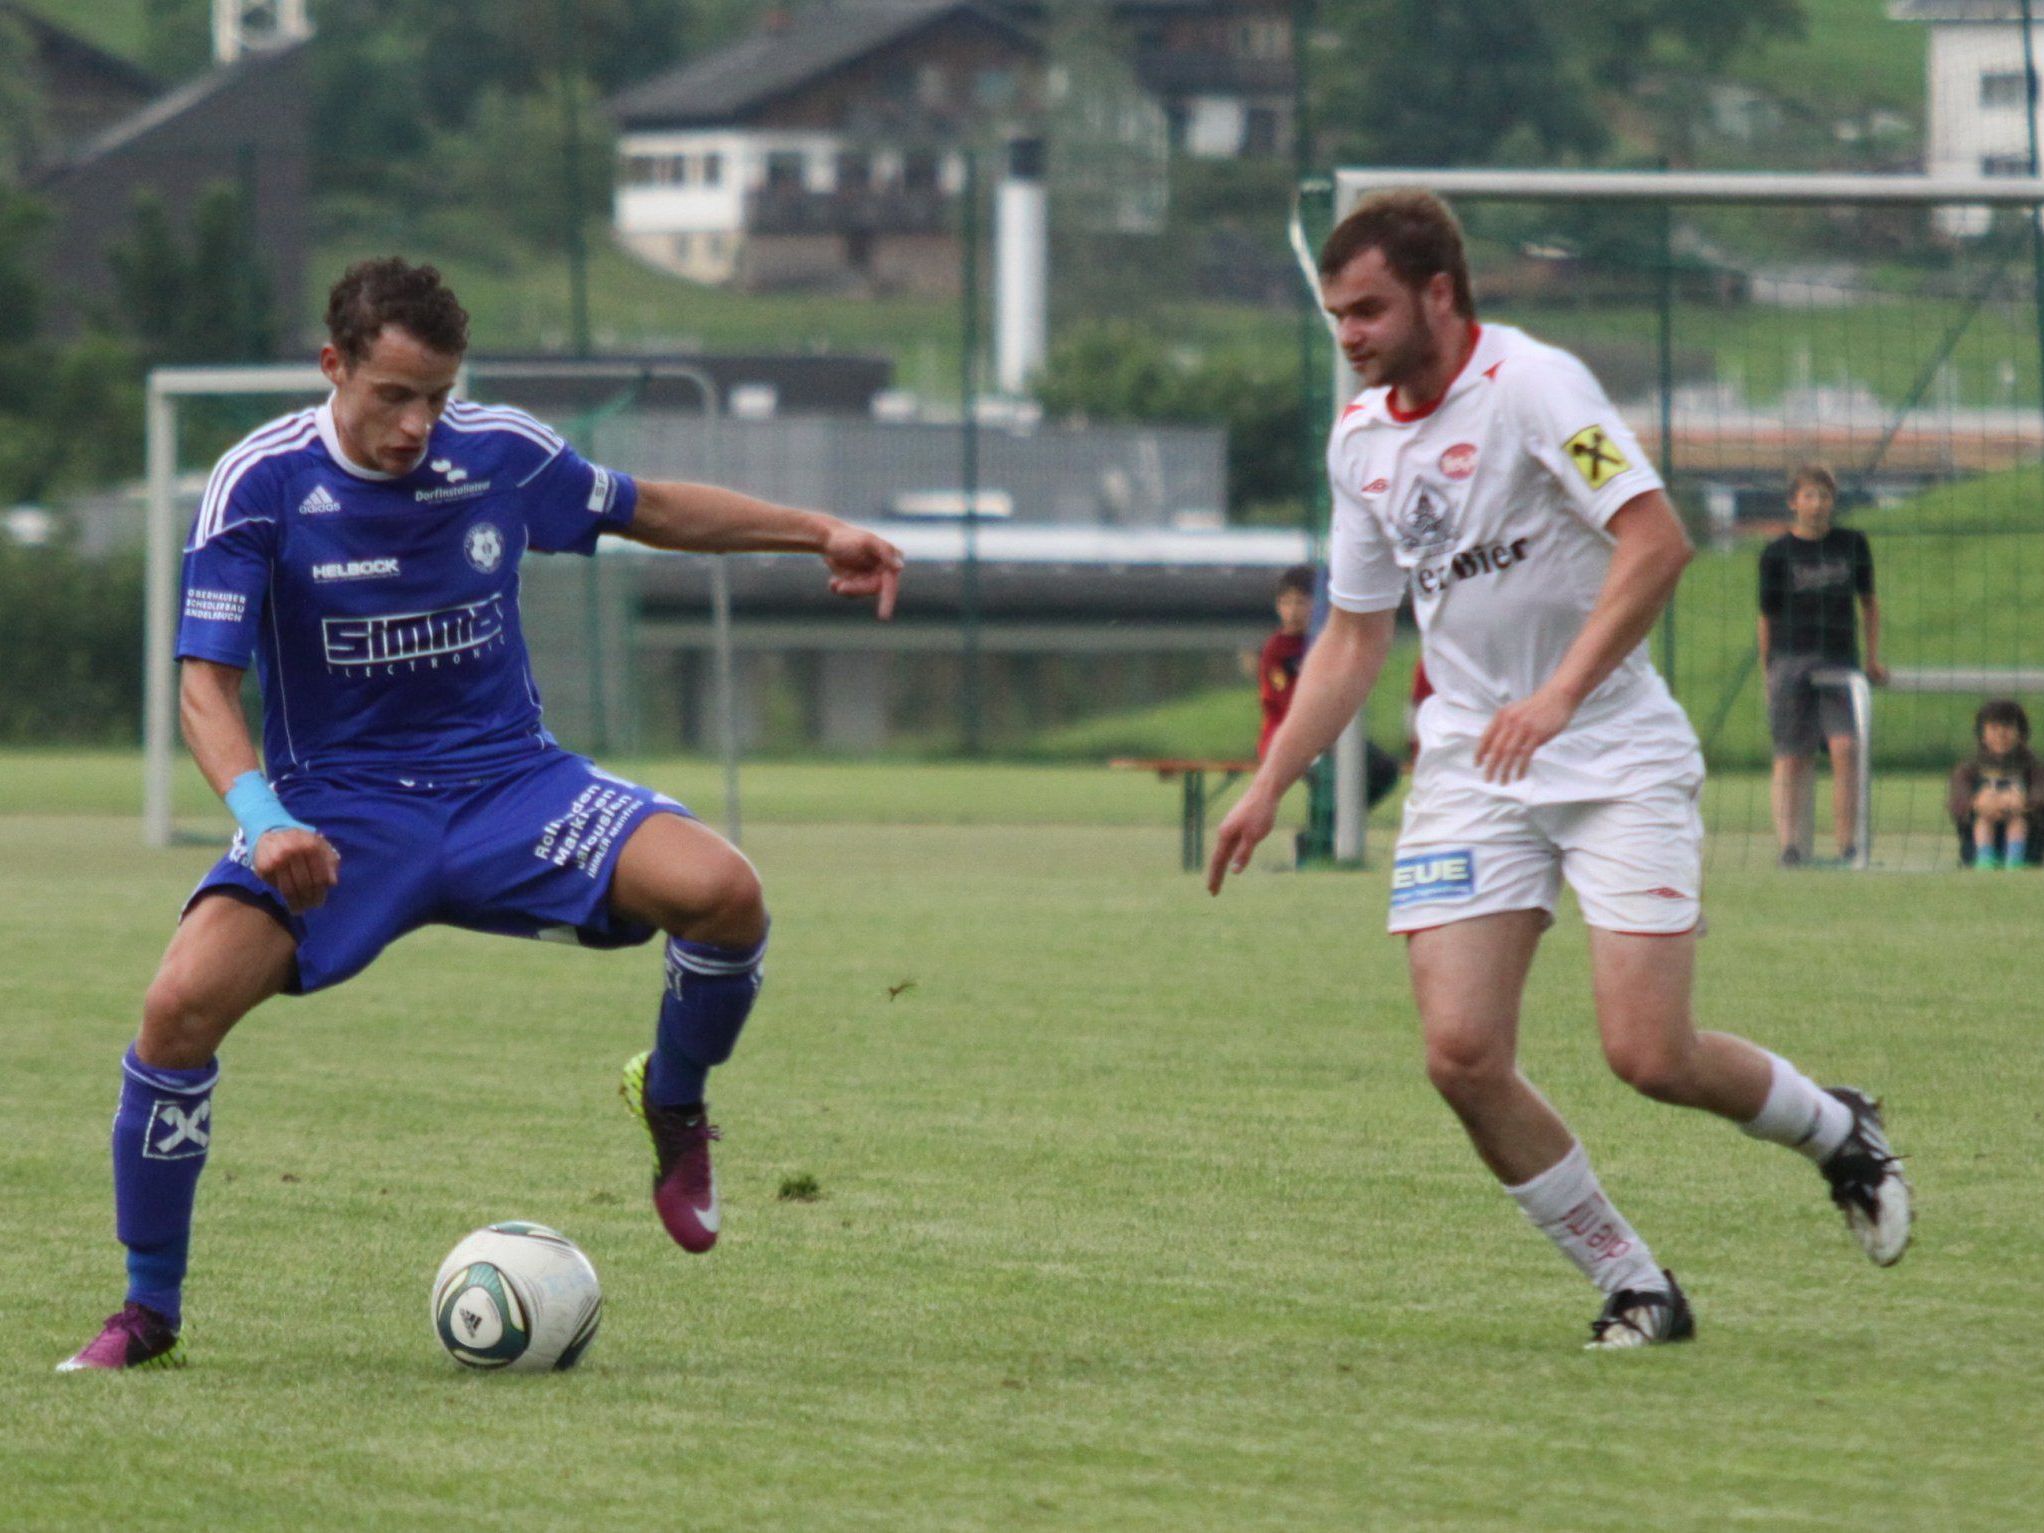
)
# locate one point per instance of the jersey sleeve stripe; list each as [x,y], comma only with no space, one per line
[243,451]
[270,443]
[464,416]
[253,445]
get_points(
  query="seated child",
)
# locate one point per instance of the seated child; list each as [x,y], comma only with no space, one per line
[1997,798]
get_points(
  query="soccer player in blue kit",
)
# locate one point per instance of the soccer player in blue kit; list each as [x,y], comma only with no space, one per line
[366,554]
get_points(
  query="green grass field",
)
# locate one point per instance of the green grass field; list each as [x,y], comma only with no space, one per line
[1136,1209]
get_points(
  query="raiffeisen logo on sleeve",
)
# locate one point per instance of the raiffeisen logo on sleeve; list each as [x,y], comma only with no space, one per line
[354,569]
[1433,878]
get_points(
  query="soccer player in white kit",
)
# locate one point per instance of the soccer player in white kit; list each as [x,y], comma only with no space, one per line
[1488,474]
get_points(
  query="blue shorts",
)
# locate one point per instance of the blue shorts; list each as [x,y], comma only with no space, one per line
[525,853]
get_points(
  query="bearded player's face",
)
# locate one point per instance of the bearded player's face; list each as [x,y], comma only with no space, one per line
[386,403]
[1388,331]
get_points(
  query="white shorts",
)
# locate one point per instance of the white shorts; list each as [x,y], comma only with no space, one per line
[1633,853]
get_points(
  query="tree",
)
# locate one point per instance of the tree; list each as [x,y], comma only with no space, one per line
[1463,82]
[177,37]
[20,102]
[510,165]
[1120,370]
[197,296]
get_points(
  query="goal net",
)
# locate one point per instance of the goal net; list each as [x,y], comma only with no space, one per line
[1886,329]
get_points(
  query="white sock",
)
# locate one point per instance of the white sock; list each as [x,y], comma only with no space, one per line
[1800,1114]
[1569,1208]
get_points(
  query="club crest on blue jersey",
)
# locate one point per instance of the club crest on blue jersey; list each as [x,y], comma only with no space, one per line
[484,547]
[1433,878]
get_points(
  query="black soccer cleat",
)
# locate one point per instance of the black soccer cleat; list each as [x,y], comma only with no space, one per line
[1867,1182]
[1643,1317]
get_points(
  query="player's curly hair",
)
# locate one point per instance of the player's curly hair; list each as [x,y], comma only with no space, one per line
[392,291]
[1418,234]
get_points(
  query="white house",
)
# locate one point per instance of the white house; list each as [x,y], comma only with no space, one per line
[1978,92]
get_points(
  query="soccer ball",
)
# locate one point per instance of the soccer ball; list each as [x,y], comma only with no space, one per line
[517,1296]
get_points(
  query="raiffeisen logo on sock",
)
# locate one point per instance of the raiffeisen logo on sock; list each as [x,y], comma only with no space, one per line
[176,1132]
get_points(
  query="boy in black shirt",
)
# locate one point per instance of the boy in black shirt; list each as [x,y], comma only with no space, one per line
[1809,579]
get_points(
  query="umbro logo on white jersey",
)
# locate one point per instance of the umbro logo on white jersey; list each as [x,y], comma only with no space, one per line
[318,503]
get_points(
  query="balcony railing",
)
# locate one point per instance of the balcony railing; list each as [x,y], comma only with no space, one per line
[892,210]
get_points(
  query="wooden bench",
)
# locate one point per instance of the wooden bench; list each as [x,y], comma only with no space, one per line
[1197,796]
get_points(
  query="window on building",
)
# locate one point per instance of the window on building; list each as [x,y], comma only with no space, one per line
[713,169]
[1264,39]
[784,170]
[854,171]
[2004,88]
[2005,165]
[919,171]
[994,89]
[932,85]
[1260,132]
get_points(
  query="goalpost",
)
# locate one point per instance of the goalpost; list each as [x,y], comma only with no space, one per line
[1891,326]
[168,387]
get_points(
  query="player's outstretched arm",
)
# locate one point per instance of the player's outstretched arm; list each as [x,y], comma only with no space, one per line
[1645,568]
[294,859]
[1340,670]
[707,519]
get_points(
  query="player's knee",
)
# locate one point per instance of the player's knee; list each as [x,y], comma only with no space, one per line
[183,1021]
[729,908]
[1465,1066]
[1654,1067]
[738,910]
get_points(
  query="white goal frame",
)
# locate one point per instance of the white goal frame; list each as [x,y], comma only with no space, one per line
[1662,188]
[167,386]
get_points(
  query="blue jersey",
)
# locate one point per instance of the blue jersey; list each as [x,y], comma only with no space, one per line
[382,610]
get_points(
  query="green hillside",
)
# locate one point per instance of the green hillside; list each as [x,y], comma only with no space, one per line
[1957,571]
[1854,57]
[118,26]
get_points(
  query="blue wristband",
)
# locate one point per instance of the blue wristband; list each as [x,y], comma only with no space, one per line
[258,810]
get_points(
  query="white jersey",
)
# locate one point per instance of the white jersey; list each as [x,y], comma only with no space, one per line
[1491,507]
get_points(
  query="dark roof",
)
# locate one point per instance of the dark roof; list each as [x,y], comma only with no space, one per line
[57,45]
[165,110]
[555,387]
[733,81]
[1956,10]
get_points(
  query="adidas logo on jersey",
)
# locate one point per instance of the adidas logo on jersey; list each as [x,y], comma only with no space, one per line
[318,503]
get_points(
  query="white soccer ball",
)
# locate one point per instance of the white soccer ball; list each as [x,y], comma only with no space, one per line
[517,1296]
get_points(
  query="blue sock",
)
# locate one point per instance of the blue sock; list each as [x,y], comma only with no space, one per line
[161,1132]
[710,991]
